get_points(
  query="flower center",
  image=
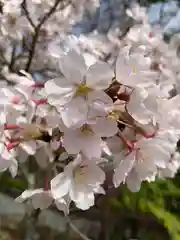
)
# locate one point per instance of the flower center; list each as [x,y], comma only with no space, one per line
[82,89]
[11,20]
[79,175]
[86,129]
[113,115]
[134,70]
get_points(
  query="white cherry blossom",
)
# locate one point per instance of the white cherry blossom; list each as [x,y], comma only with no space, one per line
[81,180]
[143,162]
[76,86]
[133,69]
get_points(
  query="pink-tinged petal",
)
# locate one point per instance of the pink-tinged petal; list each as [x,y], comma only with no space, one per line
[59,91]
[100,190]
[94,175]
[136,108]
[139,113]
[13,168]
[71,142]
[123,169]
[63,204]
[42,200]
[60,185]
[123,70]
[91,146]
[99,103]
[105,127]
[42,157]
[82,196]
[28,194]
[133,182]
[99,76]
[30,147]
[86,201]
[73,67]
[74,113]
[76,141]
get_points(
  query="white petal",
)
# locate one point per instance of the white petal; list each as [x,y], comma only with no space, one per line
[99,76]
[82,197]
[42,200]
[73,67]
[71,142]
[123,169]
[91,146]
[13,168]
[99,103]
[136,106]
[100,190]
[123,70]
[138,112]
[133,183]
[105,127]
[60,185]
[59,91]
[86,201]
[94,175]
[42,158]
[74,112]
[63,204]
[30,147]
[28,194]
[2,147]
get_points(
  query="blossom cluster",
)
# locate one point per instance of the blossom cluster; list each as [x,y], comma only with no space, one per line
[125,116]
[88,114]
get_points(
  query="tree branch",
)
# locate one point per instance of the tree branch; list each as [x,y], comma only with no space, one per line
[13,57]
[24,7]
[37,32]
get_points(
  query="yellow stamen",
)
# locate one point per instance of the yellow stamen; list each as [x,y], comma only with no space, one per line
[134,70]
[86,129]
[82,89]
[113,115]
[79,175]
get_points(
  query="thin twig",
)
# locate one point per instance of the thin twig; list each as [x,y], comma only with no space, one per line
[32,50]
[13,57]
[74,228]
[48,15]
[24,7]
[37,32]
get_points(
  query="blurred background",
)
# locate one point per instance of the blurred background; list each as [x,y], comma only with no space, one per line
[151,214]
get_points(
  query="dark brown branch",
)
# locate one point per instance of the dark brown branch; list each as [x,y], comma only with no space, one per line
[37,32]
[13,58]
[48,15]
[24,7]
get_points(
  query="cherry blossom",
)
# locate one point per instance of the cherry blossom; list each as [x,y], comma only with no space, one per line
[83,106]
[81,180]
[74,89]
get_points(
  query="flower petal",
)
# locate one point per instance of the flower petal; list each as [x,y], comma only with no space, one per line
[74,113]
[59,91]
[105,127]
[133,182]
[60,185]
[91,146]
[99,76]
[42,200]
[86,201]
[123,169]
[71,142]
[73,67]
